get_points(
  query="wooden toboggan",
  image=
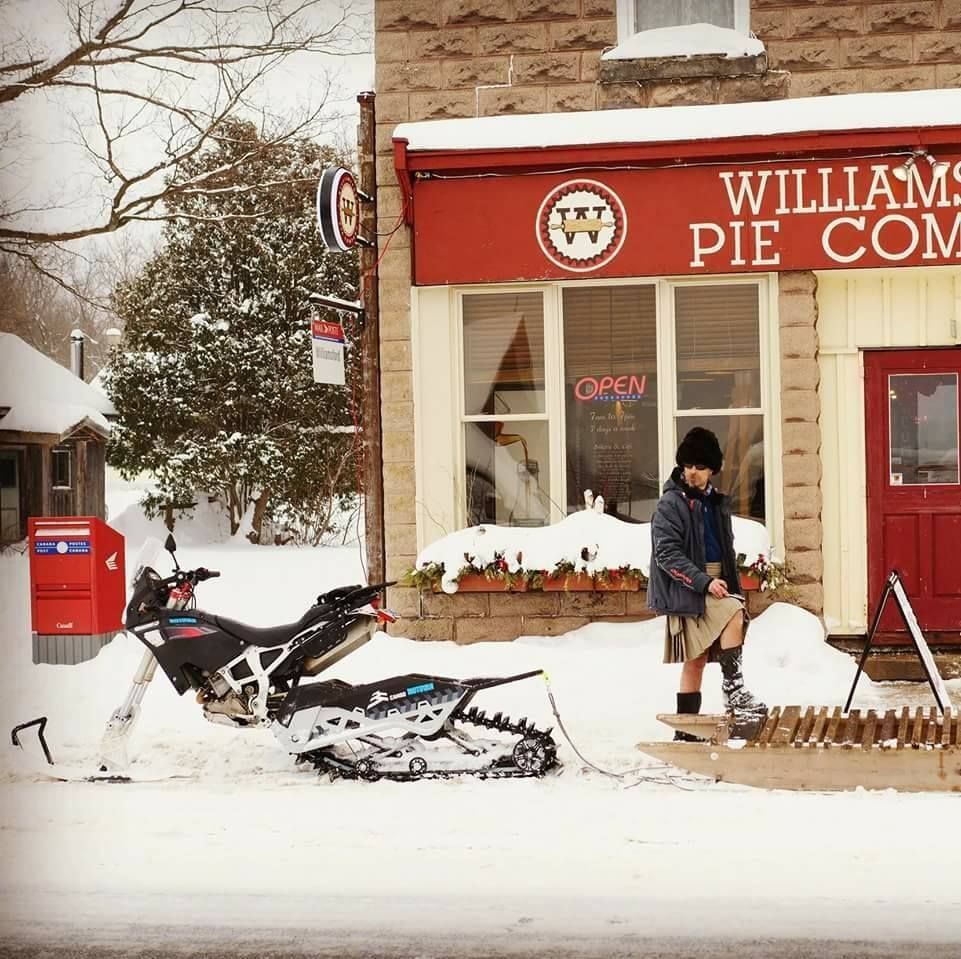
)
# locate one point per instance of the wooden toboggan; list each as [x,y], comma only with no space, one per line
[824,749]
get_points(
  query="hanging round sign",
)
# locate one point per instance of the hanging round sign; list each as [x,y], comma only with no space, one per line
[338,213]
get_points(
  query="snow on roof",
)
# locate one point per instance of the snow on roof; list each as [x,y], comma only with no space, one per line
[690,40]
[858,111]
[43,396]
[588,540]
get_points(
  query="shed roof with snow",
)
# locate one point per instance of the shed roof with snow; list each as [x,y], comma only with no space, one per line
[38,395]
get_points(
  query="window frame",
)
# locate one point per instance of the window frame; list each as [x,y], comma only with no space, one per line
[626,23]
[555,407]
[767,358]
[15,454]
[463,417]
[68,453]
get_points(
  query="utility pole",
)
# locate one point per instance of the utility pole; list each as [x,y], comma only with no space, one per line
[370,344]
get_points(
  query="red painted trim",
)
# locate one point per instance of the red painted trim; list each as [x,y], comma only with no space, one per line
[404,179]
[775,146]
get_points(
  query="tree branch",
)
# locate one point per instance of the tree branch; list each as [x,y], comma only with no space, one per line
[179,41]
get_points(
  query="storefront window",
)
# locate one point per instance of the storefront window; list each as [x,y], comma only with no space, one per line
[506,440]
[742,477]
[608,341]
[503,353]
[610,398]
[924,428]
[718,364]
[718,347]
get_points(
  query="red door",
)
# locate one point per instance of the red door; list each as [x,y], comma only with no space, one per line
[914,486]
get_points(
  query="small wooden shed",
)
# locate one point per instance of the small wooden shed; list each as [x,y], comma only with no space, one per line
[53,437]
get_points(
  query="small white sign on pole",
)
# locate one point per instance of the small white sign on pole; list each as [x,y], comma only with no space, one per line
[327,343]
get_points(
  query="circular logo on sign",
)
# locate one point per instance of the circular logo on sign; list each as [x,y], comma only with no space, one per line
[581,225]
[338,212]
[62,547]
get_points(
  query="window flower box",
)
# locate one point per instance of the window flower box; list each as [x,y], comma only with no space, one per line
[616,580]
[567,582]
[481,583]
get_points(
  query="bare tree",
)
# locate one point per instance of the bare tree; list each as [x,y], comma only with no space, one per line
[147,85]
[43,313]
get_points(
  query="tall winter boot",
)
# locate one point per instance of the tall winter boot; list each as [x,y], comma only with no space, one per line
[689,703]
[747,711]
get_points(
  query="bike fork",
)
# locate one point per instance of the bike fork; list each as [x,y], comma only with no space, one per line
[113,745]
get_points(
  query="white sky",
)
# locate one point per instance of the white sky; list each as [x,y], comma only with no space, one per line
[45,165]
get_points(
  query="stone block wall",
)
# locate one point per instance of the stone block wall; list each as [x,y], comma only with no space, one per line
[861,47]
[801,435]
[497,617]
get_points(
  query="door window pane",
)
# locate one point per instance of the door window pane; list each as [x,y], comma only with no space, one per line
[610,385]
[924,428]
[651,14]
[508,474]
[503,353]
[718,347]
[742,442]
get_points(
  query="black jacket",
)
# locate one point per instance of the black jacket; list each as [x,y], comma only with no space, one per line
[677,582]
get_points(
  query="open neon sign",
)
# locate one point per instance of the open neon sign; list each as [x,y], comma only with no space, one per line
[627,387]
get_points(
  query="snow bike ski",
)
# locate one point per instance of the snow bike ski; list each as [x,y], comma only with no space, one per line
[404,727]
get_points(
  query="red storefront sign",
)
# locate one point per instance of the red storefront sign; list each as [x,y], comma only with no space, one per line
[692,218]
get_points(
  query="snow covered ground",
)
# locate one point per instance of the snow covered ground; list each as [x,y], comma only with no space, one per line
[242,840]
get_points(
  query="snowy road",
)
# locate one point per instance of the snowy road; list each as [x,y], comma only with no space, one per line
[569,866]
[282,942]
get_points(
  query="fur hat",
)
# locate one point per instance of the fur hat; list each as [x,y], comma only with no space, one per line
[700,447]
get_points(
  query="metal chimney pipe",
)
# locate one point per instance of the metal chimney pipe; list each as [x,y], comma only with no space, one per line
[76,353]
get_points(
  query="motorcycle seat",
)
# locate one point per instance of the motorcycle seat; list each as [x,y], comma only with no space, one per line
[272,635]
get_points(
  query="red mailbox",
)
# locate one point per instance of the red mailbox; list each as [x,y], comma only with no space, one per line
[77,587]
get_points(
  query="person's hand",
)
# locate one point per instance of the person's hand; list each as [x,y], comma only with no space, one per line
[718,588]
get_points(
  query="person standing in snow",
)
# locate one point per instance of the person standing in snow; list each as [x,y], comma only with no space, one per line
[694,581]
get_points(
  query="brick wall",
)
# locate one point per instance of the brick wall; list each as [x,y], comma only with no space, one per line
[457,58]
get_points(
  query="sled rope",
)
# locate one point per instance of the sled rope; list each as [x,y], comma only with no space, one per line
[667,779]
